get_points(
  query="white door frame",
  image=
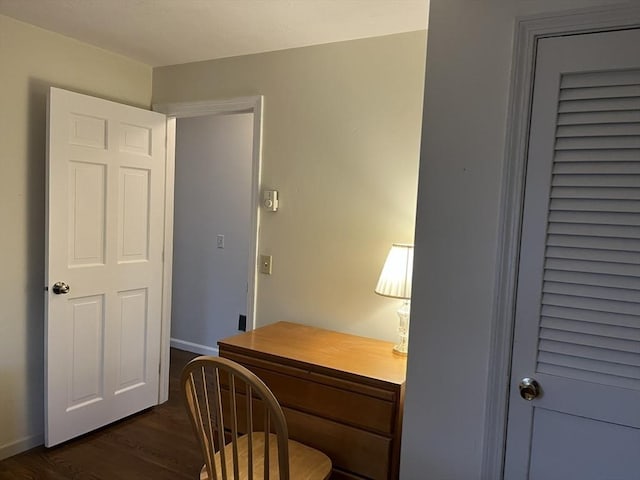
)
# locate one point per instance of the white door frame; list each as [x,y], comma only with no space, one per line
[198,109]
[528,31]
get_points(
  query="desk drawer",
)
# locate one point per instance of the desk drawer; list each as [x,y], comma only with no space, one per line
[305,391]
[340,475]
[350,449]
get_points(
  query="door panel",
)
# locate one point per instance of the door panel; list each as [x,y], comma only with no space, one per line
[577,329]
[581,445]
[133,221]
[85,361]
[87,208]
[133,325]
[105,237]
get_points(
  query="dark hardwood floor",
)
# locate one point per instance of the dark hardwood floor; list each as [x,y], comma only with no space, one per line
[155,444]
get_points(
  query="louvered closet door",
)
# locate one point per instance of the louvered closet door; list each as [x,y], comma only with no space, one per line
[578,300]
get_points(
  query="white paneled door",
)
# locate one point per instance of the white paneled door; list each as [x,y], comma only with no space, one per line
[577,331]
[105,227]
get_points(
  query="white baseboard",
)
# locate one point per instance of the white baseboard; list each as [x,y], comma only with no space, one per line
[194,347]
[13,448]
[18,446]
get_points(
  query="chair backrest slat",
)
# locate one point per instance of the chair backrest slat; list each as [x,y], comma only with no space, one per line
[205,395]
[234,425]
[193,397]
[219,422]
[222,403]
[249,399]
[267,429]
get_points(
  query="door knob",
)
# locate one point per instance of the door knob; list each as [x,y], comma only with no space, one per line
[60,288]
[529,388]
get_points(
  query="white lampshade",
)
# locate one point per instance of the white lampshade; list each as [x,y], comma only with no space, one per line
[395,278]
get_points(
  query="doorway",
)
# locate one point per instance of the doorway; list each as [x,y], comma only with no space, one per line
[212,228]
[195,302]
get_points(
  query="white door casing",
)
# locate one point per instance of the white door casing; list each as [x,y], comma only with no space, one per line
[105,237]
[577,327]
[253,105]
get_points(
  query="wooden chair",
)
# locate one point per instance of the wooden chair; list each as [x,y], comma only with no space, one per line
[241,427]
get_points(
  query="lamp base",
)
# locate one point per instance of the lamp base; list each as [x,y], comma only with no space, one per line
[404,312]
[400,350]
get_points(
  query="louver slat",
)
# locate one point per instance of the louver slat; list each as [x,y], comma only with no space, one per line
[617,206]
[607,117]
[590,312]
[596,305]
[589,193]
[597,168]
[596,181]
[619,91]
[602,318]
[604,155]
[598,130]
[623,364]
[600,79]
[601,243]
[589,291]
[595,218]
[597,143]
[589,376]
[592,365]
[599,105]
[611,281]
[614,231]
[593,255]
[587,328]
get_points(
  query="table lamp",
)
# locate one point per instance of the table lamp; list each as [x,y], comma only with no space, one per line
[395,282]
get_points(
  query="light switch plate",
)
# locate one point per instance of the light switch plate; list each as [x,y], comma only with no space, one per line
[265,264]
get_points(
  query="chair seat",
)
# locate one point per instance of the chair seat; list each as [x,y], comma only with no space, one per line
[305,463]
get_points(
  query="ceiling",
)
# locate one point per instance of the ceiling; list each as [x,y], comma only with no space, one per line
[167,32]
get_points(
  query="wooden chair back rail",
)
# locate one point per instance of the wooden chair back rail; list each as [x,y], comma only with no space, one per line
[203,397]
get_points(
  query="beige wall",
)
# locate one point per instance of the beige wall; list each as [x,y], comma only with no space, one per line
[341,142]
[31,60]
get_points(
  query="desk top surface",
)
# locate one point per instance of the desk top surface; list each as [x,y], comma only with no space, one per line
[364,357]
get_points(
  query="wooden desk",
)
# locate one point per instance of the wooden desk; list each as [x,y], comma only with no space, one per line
[341,394]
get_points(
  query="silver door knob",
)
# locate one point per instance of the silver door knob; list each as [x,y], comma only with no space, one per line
[529,388]
[60,288]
